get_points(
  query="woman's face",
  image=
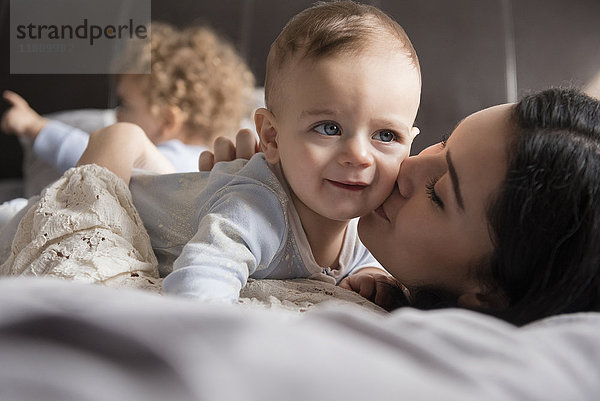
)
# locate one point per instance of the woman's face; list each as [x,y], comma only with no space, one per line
[432,230]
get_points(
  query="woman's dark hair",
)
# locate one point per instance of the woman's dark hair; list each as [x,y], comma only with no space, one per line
[545,220]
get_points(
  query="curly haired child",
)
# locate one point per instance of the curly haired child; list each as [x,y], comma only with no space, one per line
[198,89]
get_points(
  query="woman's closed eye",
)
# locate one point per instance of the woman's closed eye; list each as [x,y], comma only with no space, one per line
[327,128]
[386,136]
[431,194]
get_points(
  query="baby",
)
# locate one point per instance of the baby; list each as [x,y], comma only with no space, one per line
[342,92]
[198,89]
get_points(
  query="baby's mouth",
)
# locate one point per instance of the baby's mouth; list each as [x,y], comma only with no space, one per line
[351,186]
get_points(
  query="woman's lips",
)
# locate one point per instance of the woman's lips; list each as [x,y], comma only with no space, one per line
[381,213]
[351,186]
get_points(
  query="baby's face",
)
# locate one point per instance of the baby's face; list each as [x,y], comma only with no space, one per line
[344,125]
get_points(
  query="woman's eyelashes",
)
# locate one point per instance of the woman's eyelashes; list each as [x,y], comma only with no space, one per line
[431,194]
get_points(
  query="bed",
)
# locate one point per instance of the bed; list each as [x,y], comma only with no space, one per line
[82,318]
[64,340]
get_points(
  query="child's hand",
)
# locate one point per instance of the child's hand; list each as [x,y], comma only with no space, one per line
[21,119]
[378,287]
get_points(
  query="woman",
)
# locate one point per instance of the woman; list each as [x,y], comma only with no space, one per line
[504,217]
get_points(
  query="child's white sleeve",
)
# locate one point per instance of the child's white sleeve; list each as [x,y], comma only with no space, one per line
[60,145]
[243,231]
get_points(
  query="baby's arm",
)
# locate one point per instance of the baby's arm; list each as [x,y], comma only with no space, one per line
[377,286]
[20,119]
[122,147]
[241,233]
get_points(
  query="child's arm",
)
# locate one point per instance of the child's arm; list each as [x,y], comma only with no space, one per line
[20,119]
[58,144]
[377,286]
[122,147]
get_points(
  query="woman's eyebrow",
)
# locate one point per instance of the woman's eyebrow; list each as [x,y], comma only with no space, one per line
[455,183]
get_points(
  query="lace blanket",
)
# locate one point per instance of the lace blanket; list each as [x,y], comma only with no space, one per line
[85,228]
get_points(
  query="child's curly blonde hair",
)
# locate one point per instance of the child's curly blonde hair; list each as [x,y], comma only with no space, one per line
[201,73]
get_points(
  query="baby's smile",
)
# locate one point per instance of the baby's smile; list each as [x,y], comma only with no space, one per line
[348,185]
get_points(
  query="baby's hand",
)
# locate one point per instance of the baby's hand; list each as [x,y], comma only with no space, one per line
[245,147]
[378,287]
[21,119]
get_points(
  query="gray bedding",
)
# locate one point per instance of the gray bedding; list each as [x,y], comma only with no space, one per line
[62,340]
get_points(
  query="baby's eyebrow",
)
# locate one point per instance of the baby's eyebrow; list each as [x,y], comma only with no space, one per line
[317,112]
[393,124]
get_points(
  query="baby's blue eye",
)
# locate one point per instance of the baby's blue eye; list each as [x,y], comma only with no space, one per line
[385,136]
[328,129]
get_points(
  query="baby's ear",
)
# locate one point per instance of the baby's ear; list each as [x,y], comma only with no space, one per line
[266,126]
[414,131]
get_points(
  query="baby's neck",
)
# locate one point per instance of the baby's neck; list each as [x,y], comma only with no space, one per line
[325,236]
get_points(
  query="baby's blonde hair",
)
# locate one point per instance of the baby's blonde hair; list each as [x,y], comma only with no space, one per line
[330,28]
[201,73]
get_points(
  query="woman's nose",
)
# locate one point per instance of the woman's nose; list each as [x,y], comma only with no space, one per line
[406,176]
[356,152]
[416,171]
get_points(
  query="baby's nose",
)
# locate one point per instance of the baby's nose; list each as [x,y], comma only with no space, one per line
[356,153]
